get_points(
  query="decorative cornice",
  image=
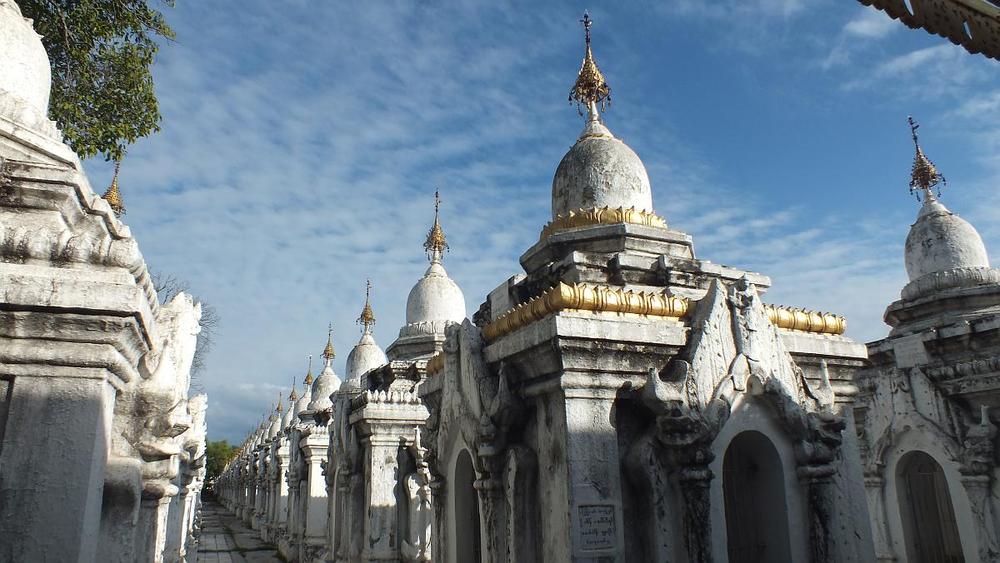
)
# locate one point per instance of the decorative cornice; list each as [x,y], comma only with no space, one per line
[586,298]
[582,297]
[602,216]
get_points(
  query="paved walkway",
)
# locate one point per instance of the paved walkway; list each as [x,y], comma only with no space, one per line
[225,539]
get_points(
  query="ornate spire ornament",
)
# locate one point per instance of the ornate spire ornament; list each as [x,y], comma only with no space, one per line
[328,354]
[436,244]
[590,89]
[294,395]
[924,175]
[367,318]
[112,195]
[279,408]
[309,374]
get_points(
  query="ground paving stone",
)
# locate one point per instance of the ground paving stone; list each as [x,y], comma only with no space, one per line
[225,539]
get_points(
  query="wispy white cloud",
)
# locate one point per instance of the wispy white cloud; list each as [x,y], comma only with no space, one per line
[870,23]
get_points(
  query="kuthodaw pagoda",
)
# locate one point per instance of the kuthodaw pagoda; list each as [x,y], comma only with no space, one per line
[621,400]
[102,450]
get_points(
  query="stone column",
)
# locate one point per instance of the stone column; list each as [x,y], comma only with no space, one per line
[381,468]
[314,536]
[153,528]
[52,462]
[119,511]
[589,480]
[977,486]
[875,489]
[282,490]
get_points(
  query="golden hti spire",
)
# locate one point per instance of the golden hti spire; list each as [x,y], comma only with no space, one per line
[294,395]
[328,354]
[590,89]
[112,195]
[924,175]
[309,374]
[279,408]
[436,244]
[367,318]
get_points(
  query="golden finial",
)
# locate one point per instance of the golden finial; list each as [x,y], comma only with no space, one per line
[112,195]
[367,318]
[279,408]
[328,351]
[436,243]
[590,88]
[309,374]
[924,175]
[294,395]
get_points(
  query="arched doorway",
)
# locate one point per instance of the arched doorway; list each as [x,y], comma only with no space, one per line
[468,540]
[929,526]
[753,485]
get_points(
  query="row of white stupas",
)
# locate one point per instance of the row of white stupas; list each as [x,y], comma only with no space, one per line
[480,441]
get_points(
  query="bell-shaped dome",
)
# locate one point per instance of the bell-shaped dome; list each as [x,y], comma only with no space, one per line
[273,427]
[366,356]
[600,171]
[436,297]
[940,240]
[325,385]
[26,75]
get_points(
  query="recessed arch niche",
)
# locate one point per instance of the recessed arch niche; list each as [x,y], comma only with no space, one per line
[753,485]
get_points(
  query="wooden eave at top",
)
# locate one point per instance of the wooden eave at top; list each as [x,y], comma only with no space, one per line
[973,24]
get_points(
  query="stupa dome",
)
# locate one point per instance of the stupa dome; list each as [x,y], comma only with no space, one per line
[366,356]
[436,297]
[940,240]
[325,385]
[25,74]
[600,171]
[274,427]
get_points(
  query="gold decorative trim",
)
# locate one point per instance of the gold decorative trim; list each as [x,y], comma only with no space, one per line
[435,364]
[582,297]
[602,216]
[586,298]
[793,318]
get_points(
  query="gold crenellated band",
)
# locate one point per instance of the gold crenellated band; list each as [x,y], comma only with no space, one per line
[602,216]
[805,320]
[585,297]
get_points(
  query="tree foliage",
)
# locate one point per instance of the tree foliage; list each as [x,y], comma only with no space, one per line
[218,453]
[101,52]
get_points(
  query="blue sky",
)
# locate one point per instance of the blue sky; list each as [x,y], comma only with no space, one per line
[302,143]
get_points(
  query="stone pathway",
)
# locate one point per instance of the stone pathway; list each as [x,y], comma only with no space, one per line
[225,539]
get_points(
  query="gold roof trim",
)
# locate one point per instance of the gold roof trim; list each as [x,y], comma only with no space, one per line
[602,216]
[113,196]
[435,364]
[584,297]
[794,318]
